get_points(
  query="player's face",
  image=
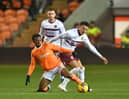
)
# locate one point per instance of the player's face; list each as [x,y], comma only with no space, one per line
[37,41]
[83,28]
[51,14]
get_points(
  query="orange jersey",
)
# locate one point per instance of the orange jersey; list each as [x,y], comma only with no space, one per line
[46,57]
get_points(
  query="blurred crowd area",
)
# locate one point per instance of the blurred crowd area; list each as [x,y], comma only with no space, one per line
[15,15]
[72,5]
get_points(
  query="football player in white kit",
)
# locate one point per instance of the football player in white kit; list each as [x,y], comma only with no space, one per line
[51,27]
[71,39]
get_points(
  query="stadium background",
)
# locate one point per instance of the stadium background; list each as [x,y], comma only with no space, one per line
[102,12]
[108,81]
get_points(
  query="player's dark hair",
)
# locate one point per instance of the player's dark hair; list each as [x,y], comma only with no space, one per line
[84,23]
[92,22]
[35,36]
[52,9]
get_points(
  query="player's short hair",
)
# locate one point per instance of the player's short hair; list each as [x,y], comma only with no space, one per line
[35,36]
[84,23]
[52,9]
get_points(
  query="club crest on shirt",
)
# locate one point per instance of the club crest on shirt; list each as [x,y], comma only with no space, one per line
[55,26]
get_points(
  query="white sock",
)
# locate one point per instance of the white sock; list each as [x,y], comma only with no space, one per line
[73,71]
[65,82]
[82,74]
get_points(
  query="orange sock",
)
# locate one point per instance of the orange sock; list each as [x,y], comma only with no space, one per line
[76,79]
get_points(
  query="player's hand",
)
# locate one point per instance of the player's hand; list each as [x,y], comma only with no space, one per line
[104,60]
[27,80]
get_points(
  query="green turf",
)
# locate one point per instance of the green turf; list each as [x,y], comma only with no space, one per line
[107,81]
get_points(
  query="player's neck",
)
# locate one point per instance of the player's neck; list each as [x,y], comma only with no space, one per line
[79,32]
[52,20]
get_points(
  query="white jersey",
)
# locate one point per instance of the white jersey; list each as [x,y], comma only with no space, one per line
[50,30]
[72,38]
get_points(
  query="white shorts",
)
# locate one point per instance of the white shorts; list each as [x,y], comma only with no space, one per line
[50,75]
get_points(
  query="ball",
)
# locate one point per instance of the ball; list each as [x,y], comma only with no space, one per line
[83,87]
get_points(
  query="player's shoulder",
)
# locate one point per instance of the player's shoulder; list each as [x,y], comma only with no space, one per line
[44,21]
[72,30]
[33,50]
[59,22]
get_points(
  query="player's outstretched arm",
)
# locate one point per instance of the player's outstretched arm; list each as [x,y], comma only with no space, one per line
[105,60]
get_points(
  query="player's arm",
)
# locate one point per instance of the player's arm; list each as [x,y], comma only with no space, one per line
[41,31]
[62,28]
[60,36]
[93,49]
[60,49]
[30,69]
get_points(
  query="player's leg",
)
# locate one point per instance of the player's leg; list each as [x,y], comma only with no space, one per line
[68,59]
[73,62]
[78,70]
[81,74]
[43,86]
[73,77]
[46,79]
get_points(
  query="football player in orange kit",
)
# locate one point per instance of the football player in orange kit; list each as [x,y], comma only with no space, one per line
[51,64]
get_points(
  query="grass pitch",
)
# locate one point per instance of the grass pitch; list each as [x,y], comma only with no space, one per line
[107,81]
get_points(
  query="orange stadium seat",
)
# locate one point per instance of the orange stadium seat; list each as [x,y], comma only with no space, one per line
[1,39]
[13,23]
[27,3]
[14,27]
[5,32]
[72,6]
[10,20]
[22,19]
[22,12]
[65,12]
[2,20]
[1,13]
[22,15]
[10,12]
[16,4]
[1,43]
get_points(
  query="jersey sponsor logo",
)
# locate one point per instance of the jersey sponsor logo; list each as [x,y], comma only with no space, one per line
[43,55]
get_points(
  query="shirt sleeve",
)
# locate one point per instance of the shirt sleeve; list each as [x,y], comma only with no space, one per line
[32,65]
[62,28]
[59,49]
[41,31]
[90,46]
[60,36]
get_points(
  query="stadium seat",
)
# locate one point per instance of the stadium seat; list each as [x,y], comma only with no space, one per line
[22,15]
[10,12]
[27,3]
[10,20]
[5,32]
[2,20]
[16,4]
[72,6]
[1,13]
[14,27]
[22,12]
